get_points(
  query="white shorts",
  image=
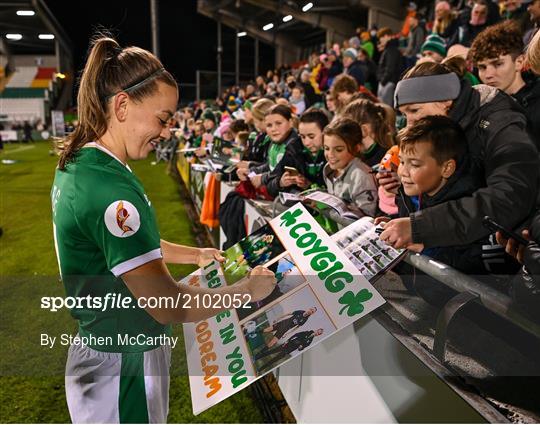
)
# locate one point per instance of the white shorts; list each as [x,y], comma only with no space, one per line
[106,387]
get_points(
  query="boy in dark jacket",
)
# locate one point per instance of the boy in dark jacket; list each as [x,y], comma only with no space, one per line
[306,157]
[434,169]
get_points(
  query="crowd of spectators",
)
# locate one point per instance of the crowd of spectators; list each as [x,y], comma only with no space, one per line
[428,130]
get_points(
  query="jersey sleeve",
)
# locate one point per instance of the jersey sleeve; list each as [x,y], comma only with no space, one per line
[123,225]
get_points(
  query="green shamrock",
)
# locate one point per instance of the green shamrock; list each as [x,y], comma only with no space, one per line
[353,303]
[289,217]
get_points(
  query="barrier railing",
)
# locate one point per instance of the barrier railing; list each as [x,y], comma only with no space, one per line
[468,288]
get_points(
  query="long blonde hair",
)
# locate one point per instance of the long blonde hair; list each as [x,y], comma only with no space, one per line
[110,69]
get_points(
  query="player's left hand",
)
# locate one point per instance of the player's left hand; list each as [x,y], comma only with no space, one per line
[207,255]
[398,233]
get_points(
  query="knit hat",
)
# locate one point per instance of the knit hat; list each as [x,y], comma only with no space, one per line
[209,115]
[231,103]
[350,52]
[354,42]
[434,43]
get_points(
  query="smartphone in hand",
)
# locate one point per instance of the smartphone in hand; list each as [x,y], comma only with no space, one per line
[507,234]
[292,171]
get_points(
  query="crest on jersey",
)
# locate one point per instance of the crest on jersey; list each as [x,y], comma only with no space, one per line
[122,219]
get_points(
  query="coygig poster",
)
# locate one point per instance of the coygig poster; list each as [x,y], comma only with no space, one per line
[319,291]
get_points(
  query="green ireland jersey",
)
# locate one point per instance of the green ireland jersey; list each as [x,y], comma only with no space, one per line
[275,154]
[104,226]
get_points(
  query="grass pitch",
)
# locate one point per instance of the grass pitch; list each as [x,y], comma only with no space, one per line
[31,376]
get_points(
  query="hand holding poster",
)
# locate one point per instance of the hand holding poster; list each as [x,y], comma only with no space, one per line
[319,291]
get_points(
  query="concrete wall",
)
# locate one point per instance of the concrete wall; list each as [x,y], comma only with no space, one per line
[385,13]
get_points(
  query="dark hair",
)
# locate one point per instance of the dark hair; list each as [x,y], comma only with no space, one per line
[447,138]
[317,116]
[109,69]
[366,112]
[237,126]
[504,38]
[282,110]
[347,130]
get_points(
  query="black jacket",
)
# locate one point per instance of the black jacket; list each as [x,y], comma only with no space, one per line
[264,169]
[466,33]
[465,258]
[355,70]
[257,148]
[335,69]
[374,154]
[299,157]
[390,63]
[299,341]
[526,285]
[529,98]
[504,158]
[369,69]
[310,96]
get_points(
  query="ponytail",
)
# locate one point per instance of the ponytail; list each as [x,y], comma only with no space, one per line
[364,111]
[456,64]
[109,70]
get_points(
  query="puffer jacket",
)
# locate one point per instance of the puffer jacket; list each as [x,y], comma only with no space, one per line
[529,98]
[504,158]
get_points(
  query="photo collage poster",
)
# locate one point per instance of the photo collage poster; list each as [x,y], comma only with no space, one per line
[319,291]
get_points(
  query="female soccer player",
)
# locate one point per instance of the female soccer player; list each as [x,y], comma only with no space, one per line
[107,242]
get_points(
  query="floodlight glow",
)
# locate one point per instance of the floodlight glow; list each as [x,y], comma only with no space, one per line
[287,18]
[60,75]
[307,6]
[14,36]
[25,13]
[46,36]
[241,34]
[268,27]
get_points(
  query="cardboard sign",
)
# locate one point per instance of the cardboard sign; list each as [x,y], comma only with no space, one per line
[319,292]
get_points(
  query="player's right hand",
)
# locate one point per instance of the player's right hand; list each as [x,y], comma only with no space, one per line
[389,181]
[261,282]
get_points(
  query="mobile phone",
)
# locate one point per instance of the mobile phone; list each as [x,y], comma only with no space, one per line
[292,171]
[377,168]
[496,227]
